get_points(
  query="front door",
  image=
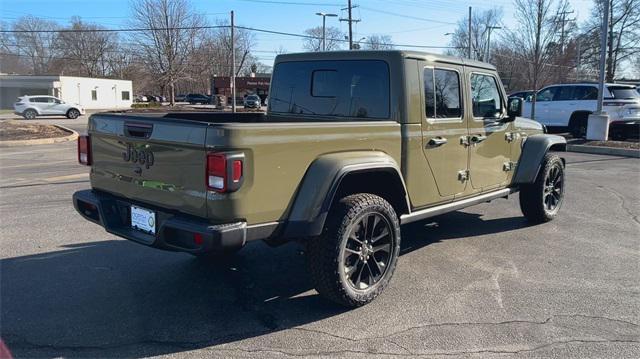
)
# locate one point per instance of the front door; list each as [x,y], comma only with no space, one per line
[489,141]
[444,129]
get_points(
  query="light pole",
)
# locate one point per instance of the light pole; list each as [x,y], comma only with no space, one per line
[489,40]
[324,35]
[598,123]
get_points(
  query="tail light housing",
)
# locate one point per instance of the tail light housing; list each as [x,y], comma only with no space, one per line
[225,171]
[613,103]
[84,150]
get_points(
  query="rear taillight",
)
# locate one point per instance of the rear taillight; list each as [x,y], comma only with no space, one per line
[224,171]
[84,150]
[614,103]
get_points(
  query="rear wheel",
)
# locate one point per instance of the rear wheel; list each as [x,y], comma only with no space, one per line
[354,259]
[30,114]
[73,113]
[541,200]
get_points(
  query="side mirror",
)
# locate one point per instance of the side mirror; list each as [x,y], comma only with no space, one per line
[514,108]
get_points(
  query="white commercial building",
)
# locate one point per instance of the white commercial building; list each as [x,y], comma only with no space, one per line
[91,93]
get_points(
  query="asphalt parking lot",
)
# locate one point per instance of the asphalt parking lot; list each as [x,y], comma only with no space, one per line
[478,282]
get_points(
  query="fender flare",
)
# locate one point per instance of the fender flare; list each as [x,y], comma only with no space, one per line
[534,149]
[321,182]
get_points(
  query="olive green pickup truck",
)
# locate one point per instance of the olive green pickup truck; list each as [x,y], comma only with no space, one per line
[353,145]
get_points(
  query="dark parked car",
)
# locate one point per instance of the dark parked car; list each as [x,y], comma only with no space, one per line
[180,98]
[195,98]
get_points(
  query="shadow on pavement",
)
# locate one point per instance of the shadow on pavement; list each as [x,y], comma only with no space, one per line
[116,298]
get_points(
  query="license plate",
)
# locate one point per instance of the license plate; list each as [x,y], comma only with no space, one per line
[143,219]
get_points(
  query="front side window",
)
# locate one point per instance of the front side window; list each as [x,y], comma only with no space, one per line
[341,88]
[126,95]
[547,94]
[485,96]
[94,95]
[39,99]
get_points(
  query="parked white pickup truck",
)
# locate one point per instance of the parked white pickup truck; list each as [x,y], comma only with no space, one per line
[569,105]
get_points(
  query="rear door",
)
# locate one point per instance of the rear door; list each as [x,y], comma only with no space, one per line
[157,162]
[444,129]
[490,151]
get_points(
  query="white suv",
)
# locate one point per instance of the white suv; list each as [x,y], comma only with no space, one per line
[31,106]
[569,105]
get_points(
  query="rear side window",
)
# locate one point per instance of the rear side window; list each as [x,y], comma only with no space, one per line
[39,99]
[345,88]
[585,93]
[485,96]
[447,87]
[442,93]
[564,93]
[623,93]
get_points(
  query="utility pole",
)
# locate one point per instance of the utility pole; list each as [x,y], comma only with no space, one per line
[233,65]
[469,49]
[598,123]
[324,34]
[350,20]
[563,20]
[488,58]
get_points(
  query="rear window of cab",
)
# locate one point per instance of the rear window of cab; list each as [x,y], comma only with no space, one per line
[357,89]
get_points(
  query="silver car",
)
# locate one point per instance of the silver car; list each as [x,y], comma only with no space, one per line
[32,106]
[252,101]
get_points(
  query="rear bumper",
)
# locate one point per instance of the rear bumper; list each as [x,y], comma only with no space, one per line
[174,232]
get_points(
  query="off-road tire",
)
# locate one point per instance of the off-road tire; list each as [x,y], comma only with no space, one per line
[325,253]
[30,114]
[73,114]
[578,125]
[533,196]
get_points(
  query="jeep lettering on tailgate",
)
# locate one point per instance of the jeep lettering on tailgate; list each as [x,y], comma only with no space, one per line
[142,157]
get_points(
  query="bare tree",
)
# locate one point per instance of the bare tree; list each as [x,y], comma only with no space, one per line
[87,49]
[378,42]
[314,42]
[534,37]
[623,43]
[481,21]
[174,29]
[218,47]
[35,44]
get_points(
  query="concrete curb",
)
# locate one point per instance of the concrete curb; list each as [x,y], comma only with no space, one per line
[43,141]
[599,150]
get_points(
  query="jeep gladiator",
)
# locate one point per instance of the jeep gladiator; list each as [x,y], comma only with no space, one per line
[353,145]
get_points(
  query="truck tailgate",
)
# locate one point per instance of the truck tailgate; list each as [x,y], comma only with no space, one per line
[160,162]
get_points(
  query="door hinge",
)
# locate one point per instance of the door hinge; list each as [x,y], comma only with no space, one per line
[463,175]
[511,136]
[508,166]
[464,140]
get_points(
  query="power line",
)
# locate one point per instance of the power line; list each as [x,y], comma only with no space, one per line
[266,31]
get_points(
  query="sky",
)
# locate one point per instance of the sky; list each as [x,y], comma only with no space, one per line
[411,22]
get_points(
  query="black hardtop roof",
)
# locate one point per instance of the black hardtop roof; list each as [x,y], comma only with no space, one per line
[381,55]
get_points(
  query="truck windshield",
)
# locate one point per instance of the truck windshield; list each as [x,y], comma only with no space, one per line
[344,88]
